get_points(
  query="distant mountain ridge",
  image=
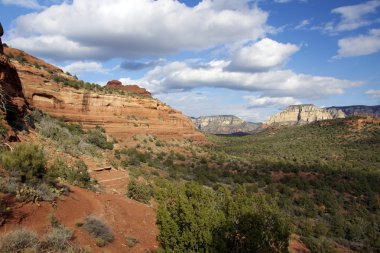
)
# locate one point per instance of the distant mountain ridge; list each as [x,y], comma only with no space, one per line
[307,113]
[358,110]
[224,124]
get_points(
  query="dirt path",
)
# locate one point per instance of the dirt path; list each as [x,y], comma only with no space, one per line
[112,181]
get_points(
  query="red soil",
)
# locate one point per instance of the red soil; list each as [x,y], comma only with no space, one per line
[126,218]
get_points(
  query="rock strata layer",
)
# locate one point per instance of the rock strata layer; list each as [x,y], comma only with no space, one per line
[224,124]
[123,116]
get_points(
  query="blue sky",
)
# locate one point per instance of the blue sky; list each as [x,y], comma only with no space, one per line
[247,58]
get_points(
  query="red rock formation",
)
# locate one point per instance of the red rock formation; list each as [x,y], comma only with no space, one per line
[12,102]
[123,116]
[114,84]
[1,43]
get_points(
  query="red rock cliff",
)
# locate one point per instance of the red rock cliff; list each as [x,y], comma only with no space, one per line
[123,116]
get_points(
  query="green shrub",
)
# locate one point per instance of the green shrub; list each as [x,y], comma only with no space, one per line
[76,175]
[98,229]
[192,218]
[131,241]
[27,161]
[18,240]
[98,138]
[139,191]
[79,175]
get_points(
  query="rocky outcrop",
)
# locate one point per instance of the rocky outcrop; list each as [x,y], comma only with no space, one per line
[117,85]
[303,114]
[357,110]
[123,116]
[12,102]
[1,43]
[224,124]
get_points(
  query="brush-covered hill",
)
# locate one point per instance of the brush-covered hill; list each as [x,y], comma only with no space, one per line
[123,111]
[326,176]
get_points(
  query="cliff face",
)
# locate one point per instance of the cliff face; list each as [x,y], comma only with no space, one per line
[358,110]
[303,114]
[13,106]
[123,116]
[224,124]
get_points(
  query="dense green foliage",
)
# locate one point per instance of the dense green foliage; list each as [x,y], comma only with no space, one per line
[76,175]
[192,218]
[326,175]
[27,161]
[139,191]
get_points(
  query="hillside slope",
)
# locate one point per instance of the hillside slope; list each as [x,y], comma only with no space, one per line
[122,114]
[325,174]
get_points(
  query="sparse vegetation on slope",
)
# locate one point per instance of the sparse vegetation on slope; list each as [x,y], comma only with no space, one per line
[99,230]
[70,137]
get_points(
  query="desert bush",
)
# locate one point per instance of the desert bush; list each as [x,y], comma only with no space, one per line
[131,241]
[57,170]
[56,240]
[139,191]
[98,138]
[76,175]
[27,161]
[18,240]
[98,229]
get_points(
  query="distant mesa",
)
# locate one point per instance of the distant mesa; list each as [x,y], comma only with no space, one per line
[307,113]
[225,124]
[117,85]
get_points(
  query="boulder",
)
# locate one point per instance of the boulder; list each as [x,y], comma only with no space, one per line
[115,84]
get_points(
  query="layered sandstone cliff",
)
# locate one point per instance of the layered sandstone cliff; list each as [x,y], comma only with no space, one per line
[123,116]
[303,114]
[224,124]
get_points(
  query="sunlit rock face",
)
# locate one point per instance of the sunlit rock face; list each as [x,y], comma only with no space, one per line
[303,114]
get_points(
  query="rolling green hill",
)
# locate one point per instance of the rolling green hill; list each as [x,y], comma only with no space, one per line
[326,176]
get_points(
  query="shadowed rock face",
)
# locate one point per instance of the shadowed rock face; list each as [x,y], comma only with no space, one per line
[358,110]
[1,43]
[224,124]
[12,102]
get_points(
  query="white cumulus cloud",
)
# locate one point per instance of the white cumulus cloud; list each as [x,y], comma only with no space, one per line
[360,45]
[100,29]
[353,16]
[30,4]
[375,94]
[80,67]
[180,76]
[261,56]
[257,101]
